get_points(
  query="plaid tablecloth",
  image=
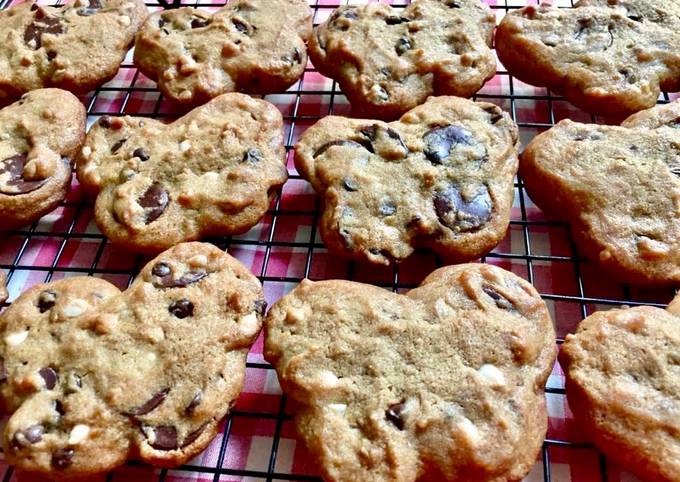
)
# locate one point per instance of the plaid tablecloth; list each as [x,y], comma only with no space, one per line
[258,440]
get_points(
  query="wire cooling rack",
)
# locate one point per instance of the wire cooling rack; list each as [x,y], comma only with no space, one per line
[257,440]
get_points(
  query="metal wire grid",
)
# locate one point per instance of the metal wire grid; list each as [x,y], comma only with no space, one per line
[279,214]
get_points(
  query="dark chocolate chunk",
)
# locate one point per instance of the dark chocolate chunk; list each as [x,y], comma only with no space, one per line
[117,145]
[395,415]
[150,404]
[160,269]
[141,153]
[36,29]
[501,301]
[195,402]
[252,156]
[396,20]
[182,308]
[46,300]
[28,436]
[51,55]
[452,3]
[59,407]
[240,26]
[167,281]
[164,437]
[199,22]
[440,140]
[459,214]
[62,458]
[15,183]
[49,375]
[350,184]
[154,201]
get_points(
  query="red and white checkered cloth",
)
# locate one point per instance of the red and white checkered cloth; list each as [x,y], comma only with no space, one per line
[278,248]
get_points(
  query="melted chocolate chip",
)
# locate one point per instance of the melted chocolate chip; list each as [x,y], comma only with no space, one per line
[199,22]
[46,301]
[49,375]
[350,184]
[240,26]
[117,145]
[459,214]
[501,301]
[105,121]
[182,308]
[195,402]
[36,29]
[402,46]
[440,140]
[141,153]
[30,435]
[495,114]
[160,269]
[252,156]
[191,438]
[394,414]
[154,201]
[190,277]
[62,458]
[164,437]
[396,20]
[15,183]
[452,3]
[327,145]
[150,404]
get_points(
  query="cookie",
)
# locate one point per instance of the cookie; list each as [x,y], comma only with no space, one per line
[248,46]
[623,385]
[3,289]
[39,135]
[443,383]
[611,57]
[441,177]
[94,376]
[388,60]
[212,172]
[75,47]
[618,187]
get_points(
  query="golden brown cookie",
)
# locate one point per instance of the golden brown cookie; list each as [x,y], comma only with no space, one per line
[253,46]
[93,376]
[388,61]
[443,383]
[39,136]
[440,178]
[212,172]
[623,384]
[610,57]
[619,188]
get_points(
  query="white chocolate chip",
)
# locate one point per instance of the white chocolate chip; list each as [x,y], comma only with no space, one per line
[442,308]
[327,379]
[185,145]
[14,339]
[124,20]
[86,152]
[469,431]
[492,375]
[338,408]
[75,308]
[248,323]
[78,434]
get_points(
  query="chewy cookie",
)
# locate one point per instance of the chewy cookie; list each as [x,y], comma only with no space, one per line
[623,384]
[388,61]
[39,135]
[441,177]
[443,383]
[610,57]
[254,46]
[93,376]
[212,172]
[619,188]
[75,47]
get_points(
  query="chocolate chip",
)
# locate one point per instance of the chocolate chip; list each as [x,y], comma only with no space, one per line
[154,201]
[167,281]
[141,153]
[260,306]
[164,437]
[635,18]
[160,269]
[252,156]
[396,20]
[59,407]
[195,402]
[46,301]
[93,7]
[394,414]
[15,183]
[240,26]
[452,3]
[501,301]
[105,121]
[440,140]
[402,46]
[30,435]
[36,29]
[34,7]
[115,147]
[62,458]
[327,145]
[150,404]
[199,22]
[630,77]
[495,113]
[191,438]
[350,184]
[182,308]
[460,215]
[387,208]
[51,55]
[49,375]
[297,55]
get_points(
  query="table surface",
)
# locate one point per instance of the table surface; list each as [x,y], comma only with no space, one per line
[258,441]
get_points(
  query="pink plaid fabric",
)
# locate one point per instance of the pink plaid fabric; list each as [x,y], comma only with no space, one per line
[258,440]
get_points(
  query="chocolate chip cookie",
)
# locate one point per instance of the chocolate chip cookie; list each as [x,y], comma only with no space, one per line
[93,376]
[618,186]
[212,172]
[388,61]
[623,384]
[249,46]
[443,383]
[441,177]
[75,47]
[610,57]
[39,135]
